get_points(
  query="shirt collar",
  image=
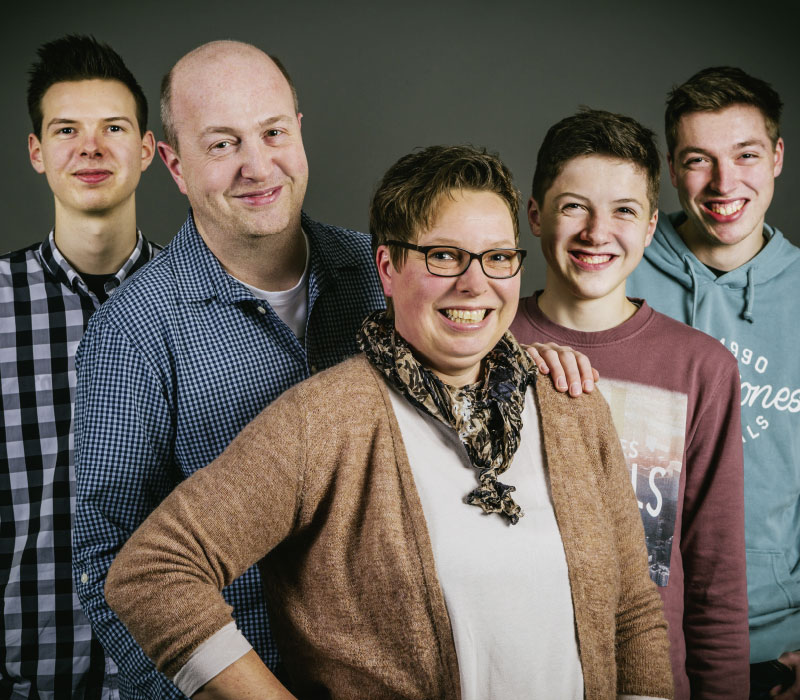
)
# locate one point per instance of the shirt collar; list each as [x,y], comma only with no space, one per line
[201,275]
[58,266]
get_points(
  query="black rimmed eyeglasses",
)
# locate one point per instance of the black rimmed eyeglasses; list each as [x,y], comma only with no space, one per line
[449,261]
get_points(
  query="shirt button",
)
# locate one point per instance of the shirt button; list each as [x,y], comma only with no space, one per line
[84,578]
[262,310]
[313,369]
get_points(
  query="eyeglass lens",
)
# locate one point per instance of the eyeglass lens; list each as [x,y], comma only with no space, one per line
[453,261]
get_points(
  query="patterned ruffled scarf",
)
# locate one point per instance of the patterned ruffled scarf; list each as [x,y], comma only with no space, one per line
[486,416]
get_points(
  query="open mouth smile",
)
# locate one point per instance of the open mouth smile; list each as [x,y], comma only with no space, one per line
[723,211]
[465,315]
[591,261]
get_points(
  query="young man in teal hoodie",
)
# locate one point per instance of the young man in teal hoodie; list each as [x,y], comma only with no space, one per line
[673,391]
[718,266]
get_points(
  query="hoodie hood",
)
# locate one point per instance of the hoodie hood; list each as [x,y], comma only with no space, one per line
[668,252]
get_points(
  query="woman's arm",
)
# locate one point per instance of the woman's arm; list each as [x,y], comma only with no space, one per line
[165,583]
[246,679]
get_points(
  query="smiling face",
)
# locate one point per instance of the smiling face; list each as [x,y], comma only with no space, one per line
[594,225]
[90,150]
[451,323]
[241,160]
[724,167]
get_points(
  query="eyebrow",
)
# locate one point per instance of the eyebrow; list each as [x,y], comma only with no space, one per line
[262,124]
[107,120]
[621,200]
[742,144]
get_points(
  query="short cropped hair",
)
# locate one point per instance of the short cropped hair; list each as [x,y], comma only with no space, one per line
[168,126]
[713,89]
[407,199]
[77,57]
[593,132]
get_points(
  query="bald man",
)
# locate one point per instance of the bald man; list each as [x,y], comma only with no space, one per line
[251,297]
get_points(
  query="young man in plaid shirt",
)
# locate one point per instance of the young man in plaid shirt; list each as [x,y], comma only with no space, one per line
[90,140]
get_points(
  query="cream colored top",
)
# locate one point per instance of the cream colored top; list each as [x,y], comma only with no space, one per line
[506,586]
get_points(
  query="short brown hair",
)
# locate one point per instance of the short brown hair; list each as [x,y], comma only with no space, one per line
[167,125]
[407,198]
[713,89]
[593,132]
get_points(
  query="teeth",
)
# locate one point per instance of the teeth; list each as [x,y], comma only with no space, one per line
[592,259]
[465,316]
[726,209]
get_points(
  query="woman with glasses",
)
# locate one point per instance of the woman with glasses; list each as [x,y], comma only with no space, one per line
[430,521]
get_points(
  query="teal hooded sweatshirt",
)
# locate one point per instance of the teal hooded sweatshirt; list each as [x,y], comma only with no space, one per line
[754,311]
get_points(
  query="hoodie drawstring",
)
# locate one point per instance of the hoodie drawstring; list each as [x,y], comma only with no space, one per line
[690,268]
[749,296]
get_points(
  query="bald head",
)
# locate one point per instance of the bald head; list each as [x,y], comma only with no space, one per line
[226,57]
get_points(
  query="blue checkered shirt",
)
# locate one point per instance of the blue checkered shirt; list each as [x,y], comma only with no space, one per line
[170,370]
[47,649]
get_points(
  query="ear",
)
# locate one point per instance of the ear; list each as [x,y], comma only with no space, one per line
[173,163]
[651,228]
[534,217]
[672,176]
[386,269]
[35,153]
[148,149]
[300,119]
[778,158]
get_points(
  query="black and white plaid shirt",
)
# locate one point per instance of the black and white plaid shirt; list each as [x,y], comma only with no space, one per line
[47,649]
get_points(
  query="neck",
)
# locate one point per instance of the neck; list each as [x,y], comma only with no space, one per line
[722,257]
[97,244]
[458,380]
[588,315]
[273,262]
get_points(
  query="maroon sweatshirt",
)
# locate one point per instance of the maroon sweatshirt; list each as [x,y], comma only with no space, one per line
[674,394]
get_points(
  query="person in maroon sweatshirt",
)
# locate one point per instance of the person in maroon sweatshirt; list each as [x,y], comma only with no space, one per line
[673,391]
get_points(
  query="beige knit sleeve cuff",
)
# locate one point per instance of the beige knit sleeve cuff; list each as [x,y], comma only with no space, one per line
[212,657]
[638,697]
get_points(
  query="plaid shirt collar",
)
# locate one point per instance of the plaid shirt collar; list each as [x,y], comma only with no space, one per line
[57,266]
[204,277]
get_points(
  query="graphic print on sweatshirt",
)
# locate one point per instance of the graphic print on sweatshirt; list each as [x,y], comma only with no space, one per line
[764,400]
[651,424]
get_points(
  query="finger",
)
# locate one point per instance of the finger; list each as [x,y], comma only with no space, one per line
[541,365]
[572,372]
[552,359]
[585,369]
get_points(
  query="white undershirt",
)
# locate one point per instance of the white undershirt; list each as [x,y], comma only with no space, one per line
[291,305]
[505,586]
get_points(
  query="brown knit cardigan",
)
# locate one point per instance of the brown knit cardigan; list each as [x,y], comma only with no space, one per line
[318,487]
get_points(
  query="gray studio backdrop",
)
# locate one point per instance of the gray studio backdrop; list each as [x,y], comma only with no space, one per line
[378,79]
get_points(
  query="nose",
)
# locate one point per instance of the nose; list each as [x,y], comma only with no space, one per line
[597,230]
[91,145]
[256,161]
[473,281]
[723,178]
